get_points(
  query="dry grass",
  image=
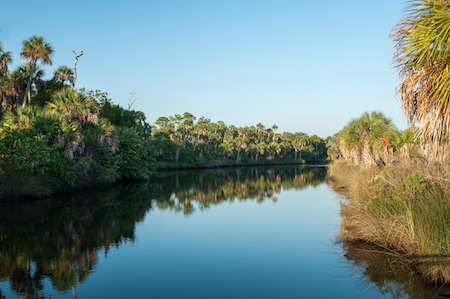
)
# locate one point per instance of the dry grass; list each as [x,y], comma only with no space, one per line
[404,207]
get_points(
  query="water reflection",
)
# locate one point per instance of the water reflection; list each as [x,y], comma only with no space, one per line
[177,190]
[386,271]
[59,239]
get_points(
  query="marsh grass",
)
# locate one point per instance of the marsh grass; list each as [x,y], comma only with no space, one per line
[17,185]
[403,207]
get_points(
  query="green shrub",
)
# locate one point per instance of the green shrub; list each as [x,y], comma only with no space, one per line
[21,153]
[45,94]
[187,156]
[106,169]
[136,157]
[121,117]
[414,184]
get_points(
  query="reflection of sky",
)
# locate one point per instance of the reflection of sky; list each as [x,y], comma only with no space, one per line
[236,249]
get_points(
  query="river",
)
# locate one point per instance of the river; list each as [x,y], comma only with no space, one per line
[261,232]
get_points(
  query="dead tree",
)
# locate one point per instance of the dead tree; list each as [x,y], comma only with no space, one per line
[130,103]
[75,65]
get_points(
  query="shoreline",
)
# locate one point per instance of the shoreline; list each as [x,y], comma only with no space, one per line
[36,194]
[401,209]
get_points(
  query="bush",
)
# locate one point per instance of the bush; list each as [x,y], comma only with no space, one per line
[45,94]
[187,156]
[136,157]
[21,153]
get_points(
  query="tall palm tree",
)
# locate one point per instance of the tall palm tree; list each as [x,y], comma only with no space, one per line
[33,50]
[422,57]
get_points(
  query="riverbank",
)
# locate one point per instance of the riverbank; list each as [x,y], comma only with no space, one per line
[403,207]
[19,186]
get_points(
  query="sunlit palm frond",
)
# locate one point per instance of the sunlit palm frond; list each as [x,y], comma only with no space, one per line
[422,57]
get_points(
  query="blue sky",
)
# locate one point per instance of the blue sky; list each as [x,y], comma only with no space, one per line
[306,66]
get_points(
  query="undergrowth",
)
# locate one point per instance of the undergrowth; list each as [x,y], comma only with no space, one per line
[403,207]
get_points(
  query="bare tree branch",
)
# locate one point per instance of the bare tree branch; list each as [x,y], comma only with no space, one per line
[130,103]
[75,65]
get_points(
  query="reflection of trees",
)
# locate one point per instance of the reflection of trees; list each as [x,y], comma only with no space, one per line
[177,190]
[59,239]
[387,271]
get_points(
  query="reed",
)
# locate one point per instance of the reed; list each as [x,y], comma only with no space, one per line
[403,207]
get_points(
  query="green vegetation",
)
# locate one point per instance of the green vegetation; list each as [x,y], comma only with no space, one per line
[180,142]
[403,207]
[55,138]
[68,143]
[397,186]
[422,59]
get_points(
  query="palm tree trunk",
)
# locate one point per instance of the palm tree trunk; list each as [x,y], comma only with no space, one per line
[28,89]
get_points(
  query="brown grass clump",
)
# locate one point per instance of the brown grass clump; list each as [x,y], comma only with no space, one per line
[403,207]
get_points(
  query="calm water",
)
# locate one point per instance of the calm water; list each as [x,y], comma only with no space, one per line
[234,233]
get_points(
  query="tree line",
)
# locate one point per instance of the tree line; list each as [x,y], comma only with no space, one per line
[54,136]
[182,140]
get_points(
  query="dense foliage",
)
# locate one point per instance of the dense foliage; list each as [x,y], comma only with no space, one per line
[180,141]
[371,140]
[71,144]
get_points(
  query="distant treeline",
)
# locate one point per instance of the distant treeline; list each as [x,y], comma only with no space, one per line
[180,141]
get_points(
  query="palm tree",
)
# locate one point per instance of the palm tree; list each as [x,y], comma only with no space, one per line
[274,128]
[77,106]
[298,143]
[33,50]
[22,75]
[5,59]
[63,74]
[359,138]
[422,57]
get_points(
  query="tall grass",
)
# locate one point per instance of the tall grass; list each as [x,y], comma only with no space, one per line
[403,207]
[18,185]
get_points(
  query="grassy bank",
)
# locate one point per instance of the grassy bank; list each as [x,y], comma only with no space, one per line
[403,207]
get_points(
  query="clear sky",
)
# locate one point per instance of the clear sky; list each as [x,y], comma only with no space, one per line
[306,66]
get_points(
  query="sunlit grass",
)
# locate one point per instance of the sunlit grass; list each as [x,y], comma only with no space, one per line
[404,207]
